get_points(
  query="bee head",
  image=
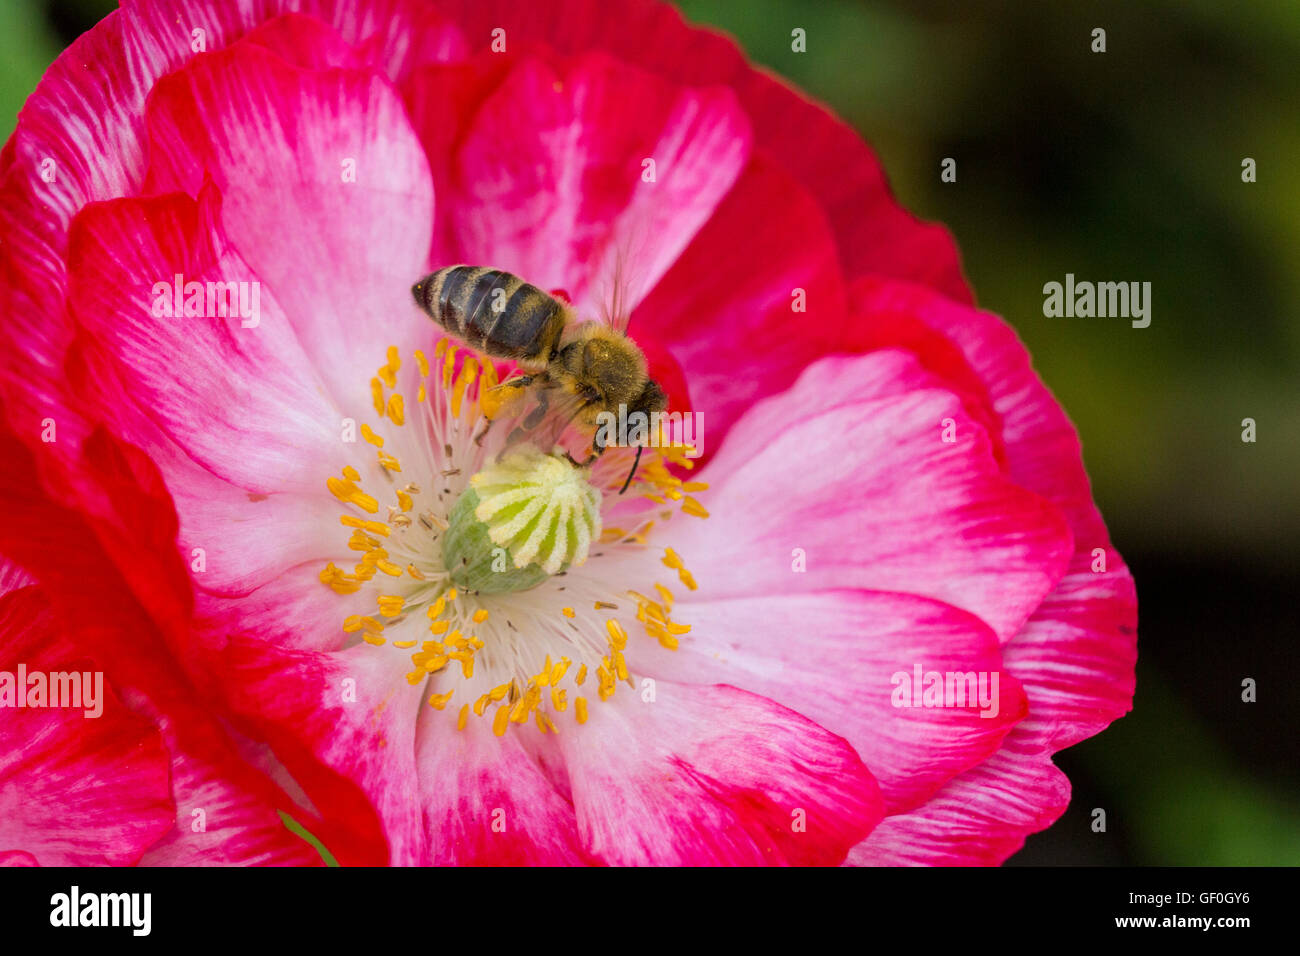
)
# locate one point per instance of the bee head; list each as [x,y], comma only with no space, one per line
[652,399]
[607,365]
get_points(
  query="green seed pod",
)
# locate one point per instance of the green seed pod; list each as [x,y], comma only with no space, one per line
[524,518]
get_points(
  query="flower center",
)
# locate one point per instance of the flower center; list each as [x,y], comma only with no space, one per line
[509,576]
[522,519]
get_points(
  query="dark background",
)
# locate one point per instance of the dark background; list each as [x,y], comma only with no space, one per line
[1122,166]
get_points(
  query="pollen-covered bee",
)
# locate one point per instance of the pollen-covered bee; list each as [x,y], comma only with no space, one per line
[574,369]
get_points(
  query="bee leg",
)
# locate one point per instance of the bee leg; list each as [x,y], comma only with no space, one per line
[635,462]
[535,417]
[596,452]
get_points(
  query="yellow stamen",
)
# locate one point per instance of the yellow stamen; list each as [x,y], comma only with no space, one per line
[346,491]
[374,527]
[439,701]
[448,364]
[396,409]
[339,580]
[360,541]
[693,507]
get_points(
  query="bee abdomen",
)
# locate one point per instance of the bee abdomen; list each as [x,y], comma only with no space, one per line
[492,311]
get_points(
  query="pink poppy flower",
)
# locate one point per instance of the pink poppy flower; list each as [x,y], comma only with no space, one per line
[717,667]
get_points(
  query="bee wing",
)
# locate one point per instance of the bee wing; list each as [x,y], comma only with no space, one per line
[544,416]
[623,286]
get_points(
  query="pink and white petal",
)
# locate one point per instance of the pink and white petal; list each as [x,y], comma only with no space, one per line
[417,36]
[1076,654]
[293,610]
[388,35]
[899,328]
[112,542]
[305,41]
[61,548]
[78,127]
[716,312]
[327,195]
[344,726]
[87,127]
[80,139]
[246,443]
[873,232]
[241,400]
[487,801]
[979,819]
[250,541]
[572,171]
[442,100]
[75,789]
[226,811]
[205,770]
[866,485]
[401,43]
[714,776]
[229,792]
[13,576]
[834,657]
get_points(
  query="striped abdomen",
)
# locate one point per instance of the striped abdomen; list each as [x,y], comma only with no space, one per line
[492,311]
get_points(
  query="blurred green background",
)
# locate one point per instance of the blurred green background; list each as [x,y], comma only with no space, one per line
[1117,166]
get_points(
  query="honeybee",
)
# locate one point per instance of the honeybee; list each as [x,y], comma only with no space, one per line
[574,369]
